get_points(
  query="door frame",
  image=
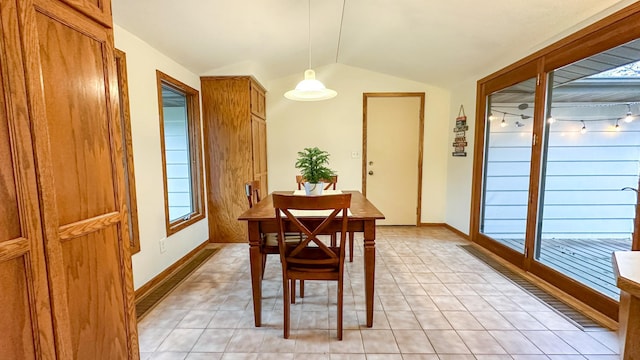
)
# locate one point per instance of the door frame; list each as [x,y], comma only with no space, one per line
[421,96]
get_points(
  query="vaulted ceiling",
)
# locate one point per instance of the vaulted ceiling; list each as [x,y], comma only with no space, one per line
[439,42]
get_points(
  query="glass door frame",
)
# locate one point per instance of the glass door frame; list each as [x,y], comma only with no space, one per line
[607,33]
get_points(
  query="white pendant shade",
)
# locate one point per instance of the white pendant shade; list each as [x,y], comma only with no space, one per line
[310,89]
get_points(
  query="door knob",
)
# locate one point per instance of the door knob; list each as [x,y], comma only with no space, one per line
[370,172]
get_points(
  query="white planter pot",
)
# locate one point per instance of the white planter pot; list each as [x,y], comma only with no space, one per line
[313,189]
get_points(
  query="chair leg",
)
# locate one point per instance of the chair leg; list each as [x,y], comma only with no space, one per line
[351,246]
[285,297]
[301,288]
[340,300]
[264,263]
[333,240]
[293,291]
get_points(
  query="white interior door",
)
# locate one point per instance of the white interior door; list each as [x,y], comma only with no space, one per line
[392,157]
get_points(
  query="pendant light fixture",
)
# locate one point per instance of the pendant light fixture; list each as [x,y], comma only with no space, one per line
[310,89]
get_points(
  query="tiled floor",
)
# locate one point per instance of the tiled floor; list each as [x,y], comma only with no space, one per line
[433,301]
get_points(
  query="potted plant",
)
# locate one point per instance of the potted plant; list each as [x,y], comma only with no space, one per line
[312,164]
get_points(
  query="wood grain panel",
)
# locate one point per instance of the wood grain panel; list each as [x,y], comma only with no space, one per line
[26,325]
[9,220]
[73,98]
[17,340]
[127,142]
[95,296]
[77,120]
[258,103]
[259,149]
[99,10]
[227,137]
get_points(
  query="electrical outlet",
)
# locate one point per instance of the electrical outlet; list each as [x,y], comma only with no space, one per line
[163,247]
[355,155]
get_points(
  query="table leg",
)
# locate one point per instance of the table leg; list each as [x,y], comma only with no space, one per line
[369,267]
[255,256]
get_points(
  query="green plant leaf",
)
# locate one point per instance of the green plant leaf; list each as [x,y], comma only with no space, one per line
[312,164]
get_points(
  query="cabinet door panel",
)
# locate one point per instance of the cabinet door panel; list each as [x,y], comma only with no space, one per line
[77,120]
[25,313]
[17,341]
[99,10]
[79,147]
[98,330]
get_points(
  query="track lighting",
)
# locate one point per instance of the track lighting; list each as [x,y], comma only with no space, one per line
[584,128]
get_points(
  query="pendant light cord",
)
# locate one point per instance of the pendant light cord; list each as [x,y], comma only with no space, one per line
[340,32]
[309,31]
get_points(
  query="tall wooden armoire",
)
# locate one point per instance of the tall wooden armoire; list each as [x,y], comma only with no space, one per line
[65,270]
[235,142]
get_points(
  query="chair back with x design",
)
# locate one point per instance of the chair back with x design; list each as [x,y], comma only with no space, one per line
[312,259]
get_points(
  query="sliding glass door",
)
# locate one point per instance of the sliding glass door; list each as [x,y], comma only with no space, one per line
[591,160]
[557,162]
[507,164]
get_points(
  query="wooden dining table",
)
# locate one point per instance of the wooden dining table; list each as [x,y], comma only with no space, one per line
[261,219]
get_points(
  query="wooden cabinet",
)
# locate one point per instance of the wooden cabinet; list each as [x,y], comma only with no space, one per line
[65,267]
[235,142]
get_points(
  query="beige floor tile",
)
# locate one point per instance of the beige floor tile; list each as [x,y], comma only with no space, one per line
[240,356]
[474,303]
[196,319]
[481,342]
[213,340]
[351,342]
[444,303]
[245,341]
[180,340]
[420,357]
[522,320]
[549,342]
[432,320]
[347,356]
[168,355]
[311,341]
[204,356]
[421,303]
[426,286]
[462,320]
[584,343]
[447,342]
[402,320]
[492,320]
[379,342]
[150,338]
[413,341]
[515,342]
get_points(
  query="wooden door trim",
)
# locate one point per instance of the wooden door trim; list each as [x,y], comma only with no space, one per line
[421,96]
[127,144]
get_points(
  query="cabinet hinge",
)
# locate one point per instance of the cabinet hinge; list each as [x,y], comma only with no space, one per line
[538,80]
[534,140]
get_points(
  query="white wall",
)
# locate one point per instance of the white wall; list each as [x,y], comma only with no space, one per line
[336,126]
[460,169]
[142,62]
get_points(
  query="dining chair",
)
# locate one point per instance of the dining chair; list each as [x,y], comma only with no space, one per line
[311,258]
[270,241]
[330,183]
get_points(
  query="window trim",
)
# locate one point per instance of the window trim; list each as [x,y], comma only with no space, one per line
[125,120]
[195,153]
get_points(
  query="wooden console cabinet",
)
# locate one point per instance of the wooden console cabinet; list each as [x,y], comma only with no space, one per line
[235,143]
